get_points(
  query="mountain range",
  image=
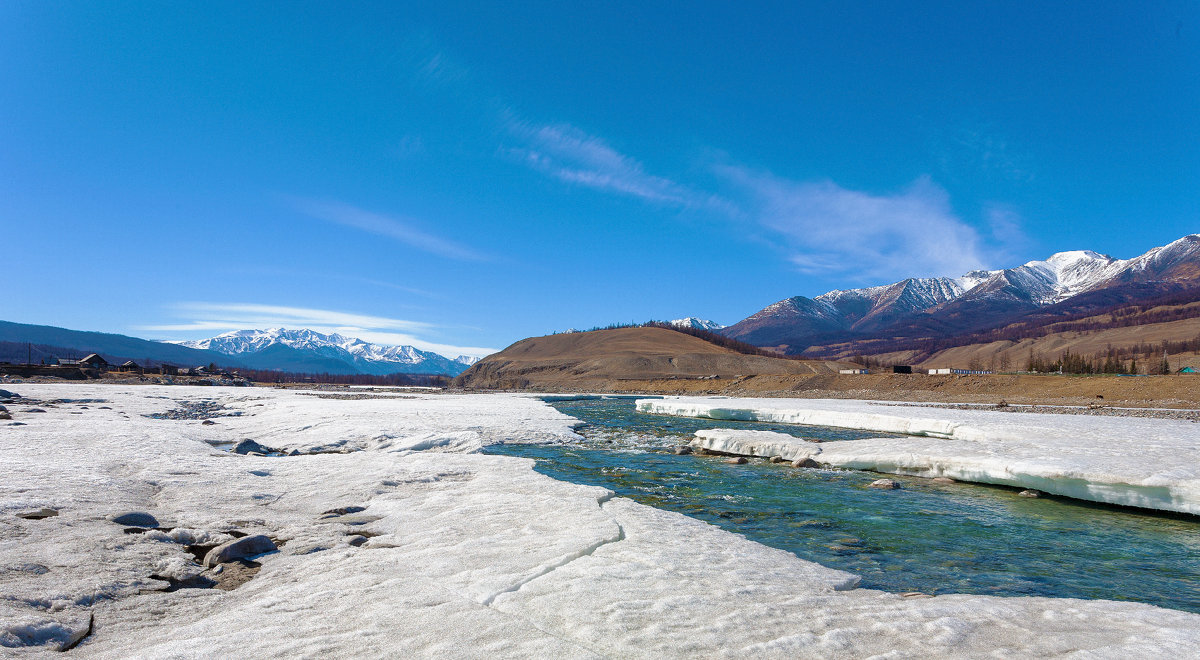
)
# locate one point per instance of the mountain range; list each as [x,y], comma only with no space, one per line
[1064,284]
[299,351]
[310,351]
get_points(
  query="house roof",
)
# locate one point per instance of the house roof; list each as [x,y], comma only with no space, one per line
[94,358]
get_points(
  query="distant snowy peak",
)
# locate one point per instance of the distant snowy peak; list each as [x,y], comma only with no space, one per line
[253,341]
[1054,279]
[973,298]
[1065,274]
[699,324]
[357,354]
[1182,254]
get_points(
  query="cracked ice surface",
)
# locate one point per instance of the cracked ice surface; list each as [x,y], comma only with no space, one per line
[1150,463]
[464,555]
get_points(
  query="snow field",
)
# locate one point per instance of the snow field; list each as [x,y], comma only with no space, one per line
[1149,463]
[451,554]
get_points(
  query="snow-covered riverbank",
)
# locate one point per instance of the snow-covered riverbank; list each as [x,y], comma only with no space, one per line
[1150,463]
[451,554]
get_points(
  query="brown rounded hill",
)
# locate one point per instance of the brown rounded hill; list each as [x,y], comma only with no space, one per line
[599,358]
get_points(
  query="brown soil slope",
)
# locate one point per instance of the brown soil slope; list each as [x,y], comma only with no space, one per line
[994,355]
[596,360]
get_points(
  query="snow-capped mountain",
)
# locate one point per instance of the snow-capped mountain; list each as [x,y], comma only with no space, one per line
[939,306]
[306,350]
[699,324]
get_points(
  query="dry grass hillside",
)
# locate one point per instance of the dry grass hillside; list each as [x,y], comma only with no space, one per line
[1013,355]
[1133,331]
[599,359]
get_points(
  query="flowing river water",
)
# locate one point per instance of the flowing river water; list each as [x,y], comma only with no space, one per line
[928,537]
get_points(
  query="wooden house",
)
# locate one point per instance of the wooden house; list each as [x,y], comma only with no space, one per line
[94,361]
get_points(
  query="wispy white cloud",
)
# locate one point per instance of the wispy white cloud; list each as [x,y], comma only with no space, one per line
[223,317]
[397,228]
[832,230]
[572,155]
[824,228]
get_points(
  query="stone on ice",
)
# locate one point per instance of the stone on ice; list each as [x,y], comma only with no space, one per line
[249,446]
[247,546]
[135,519]
[38,514]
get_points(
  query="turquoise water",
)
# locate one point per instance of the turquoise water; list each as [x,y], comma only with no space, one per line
[928,537]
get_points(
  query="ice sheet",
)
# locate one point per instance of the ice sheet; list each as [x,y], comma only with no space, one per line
[452,554]
[1151,463]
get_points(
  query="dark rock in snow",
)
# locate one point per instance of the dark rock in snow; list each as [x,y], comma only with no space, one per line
[343,510]
[682,450]
[249,446]
[242,548]
[135,519]
[38,514]
[804,463]
[737,460]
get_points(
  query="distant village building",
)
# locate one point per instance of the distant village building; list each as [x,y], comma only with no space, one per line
[94,361]
[129,365]
[853,371]
[66,362]
[901,369]
[959,372]
[1187,370]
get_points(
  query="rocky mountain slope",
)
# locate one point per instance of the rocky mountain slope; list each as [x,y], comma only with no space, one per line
[1063,284]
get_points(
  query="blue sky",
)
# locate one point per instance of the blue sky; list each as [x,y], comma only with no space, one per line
[461,176]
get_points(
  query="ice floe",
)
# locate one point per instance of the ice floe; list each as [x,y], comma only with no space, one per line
[1150,463]
[383,551]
